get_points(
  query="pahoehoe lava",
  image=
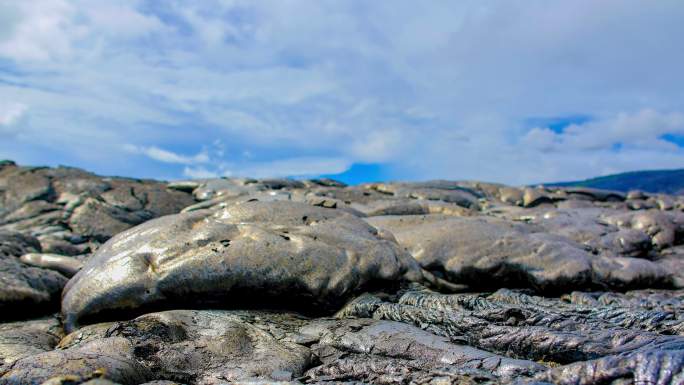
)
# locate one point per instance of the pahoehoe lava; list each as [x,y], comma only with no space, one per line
[255,281]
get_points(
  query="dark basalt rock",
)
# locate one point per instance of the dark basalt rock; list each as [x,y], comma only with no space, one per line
[190,347]
[67,266]
[223,201]
[388,352]
[208,189]
[67,211]
[390,199]
[651,367]
[97,220]
[26,338]
[590,341]
[596,194]
[595,228]
[482,251]
[434,191]
[115,355]
[23,288]
[556,285]
[271,250]
[490,252]
[507,337]
[68,204]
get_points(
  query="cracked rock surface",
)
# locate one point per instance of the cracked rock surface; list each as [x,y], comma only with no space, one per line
[263,281]
[580,344]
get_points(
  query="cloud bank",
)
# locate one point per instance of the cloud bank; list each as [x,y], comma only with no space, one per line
[459,90]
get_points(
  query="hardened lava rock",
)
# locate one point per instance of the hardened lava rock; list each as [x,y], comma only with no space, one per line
[389,352]
[23,288]
[281,281]
[260,253]
[489,252]
[416,336]
[190,347]
[65,212]
[581,344]
[201,347]
[25,338]
[484,251]
[71,210]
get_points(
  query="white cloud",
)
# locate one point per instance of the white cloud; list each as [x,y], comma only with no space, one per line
[58,30]
[379,145]
[121,20]
[288,167]
[38,30]
[642,129]
[199,173]
[10,113]
[541,138]
[441,90]
[166,156]
[301,166]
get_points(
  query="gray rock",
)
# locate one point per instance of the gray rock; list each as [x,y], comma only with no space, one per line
[555,251]
[373,351]
[595,194]
[511,195]
[57,246]
[525,327]
[311,255]
[26,338]
[397,199]
[187,346]
[97,220]
[314,245]
[234,187]
[223,201]
[326,182]
[490,252]
[662,227]
[47,202]
[111,357]
[20,185]
[535,196]
[25,289]
[68,266]
[636,195]
[74,379]
[651,367]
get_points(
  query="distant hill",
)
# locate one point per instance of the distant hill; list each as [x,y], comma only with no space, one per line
[654,181]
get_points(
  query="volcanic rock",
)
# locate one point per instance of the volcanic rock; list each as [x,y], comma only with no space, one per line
[265,281]
[270,250]
[23,287]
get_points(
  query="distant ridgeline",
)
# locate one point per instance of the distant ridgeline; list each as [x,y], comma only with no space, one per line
[654,181]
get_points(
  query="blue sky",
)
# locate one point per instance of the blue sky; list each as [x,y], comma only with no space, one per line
[508,91]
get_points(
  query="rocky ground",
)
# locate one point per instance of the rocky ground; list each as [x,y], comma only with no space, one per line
[123,281]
